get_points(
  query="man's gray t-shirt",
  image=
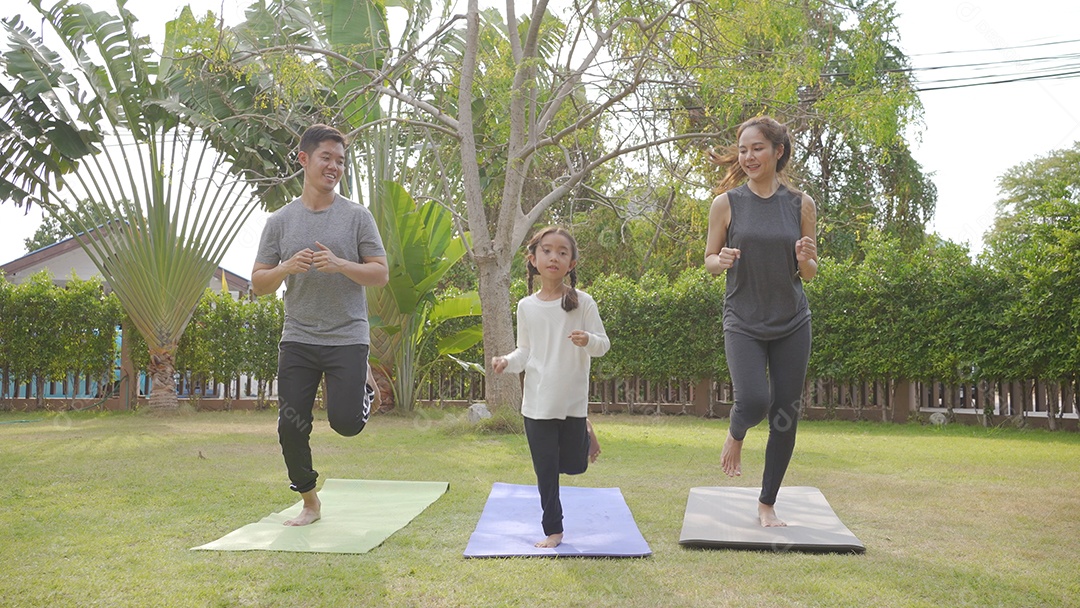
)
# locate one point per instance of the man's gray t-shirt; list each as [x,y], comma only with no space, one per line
[326,309]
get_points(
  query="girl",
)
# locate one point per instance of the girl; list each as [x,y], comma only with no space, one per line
[558,332]
[761,233]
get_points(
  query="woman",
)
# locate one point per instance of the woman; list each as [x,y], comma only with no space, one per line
[761,233]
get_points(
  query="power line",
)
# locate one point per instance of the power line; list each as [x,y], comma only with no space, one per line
[995,49]
[1055,76]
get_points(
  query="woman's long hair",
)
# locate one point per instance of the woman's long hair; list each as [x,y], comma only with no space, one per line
[570,299]
[773,131]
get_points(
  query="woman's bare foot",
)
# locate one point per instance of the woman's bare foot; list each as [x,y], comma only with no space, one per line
[731,457]
[311,512]
[594,445]
[550,542]
[767,516]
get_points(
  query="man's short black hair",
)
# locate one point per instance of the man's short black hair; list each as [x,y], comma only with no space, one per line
[318,133]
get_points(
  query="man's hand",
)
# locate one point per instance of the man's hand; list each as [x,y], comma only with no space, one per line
[300,262]
[324,260]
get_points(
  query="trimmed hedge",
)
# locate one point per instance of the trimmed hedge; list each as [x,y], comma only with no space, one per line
[52,334]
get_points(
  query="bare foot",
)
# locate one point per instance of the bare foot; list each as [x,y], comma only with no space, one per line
[550,542]
[311,512]
[731,457]
[594,445]
[767,516]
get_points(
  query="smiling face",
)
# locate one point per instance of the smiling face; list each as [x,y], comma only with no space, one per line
[323,166]
[555,256]
[758,155]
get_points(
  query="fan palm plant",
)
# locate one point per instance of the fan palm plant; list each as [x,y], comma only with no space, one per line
[97,139]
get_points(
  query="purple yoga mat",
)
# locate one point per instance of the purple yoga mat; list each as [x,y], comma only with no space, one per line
[596,523]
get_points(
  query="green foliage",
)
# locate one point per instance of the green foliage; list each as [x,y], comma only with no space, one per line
[264,319]
[49,333]
[48,233]
[89,327]
[661,329]
[1035,245]
[214,345]
[227,338]
[37,345]
[421,245]
[155,213]
[835,75]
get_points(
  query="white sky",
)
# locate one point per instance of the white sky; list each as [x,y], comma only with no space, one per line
[970,137]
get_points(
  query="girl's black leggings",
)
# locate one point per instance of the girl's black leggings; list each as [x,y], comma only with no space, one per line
[557,446]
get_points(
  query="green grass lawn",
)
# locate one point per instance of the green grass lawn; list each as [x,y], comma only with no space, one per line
[101,510]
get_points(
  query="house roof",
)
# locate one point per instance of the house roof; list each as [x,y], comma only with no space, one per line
[36,260]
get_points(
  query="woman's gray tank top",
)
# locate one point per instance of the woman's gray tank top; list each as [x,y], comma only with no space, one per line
[765,298]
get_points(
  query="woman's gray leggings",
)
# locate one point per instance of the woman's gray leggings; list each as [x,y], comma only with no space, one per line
[768,378]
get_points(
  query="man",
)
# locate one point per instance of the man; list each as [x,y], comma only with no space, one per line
[326,249]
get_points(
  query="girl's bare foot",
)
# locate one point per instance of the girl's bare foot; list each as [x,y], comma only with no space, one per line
[594,445]
[731,457]
[767,516]
[311,512]
[550,542]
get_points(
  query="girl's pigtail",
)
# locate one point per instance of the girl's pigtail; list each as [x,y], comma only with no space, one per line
[569,299]
[531,271]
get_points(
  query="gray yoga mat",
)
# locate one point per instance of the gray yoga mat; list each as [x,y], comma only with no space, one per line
[726,517]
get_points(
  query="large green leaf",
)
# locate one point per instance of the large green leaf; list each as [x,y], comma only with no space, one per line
[461,341]
[465,305]
[358,29]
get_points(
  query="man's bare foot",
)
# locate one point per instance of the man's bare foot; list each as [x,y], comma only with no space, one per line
[731,457]
[767,516]
[550,542]
[311,512]
[594,445]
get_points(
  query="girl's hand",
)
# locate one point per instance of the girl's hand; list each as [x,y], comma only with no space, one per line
[727,257]
[579,338]
[498,364]
[805,249]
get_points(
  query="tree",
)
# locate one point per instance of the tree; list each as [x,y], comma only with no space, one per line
[834,74]
[36,343]
[48,233]
[265,316]
[1035,243]
[108,149]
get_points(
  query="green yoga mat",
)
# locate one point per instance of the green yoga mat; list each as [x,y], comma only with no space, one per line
[357,516]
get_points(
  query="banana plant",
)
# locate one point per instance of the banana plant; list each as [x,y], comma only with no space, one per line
[94,137]
[421,246]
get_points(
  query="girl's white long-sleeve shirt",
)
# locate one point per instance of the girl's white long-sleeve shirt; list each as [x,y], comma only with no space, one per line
[556,371]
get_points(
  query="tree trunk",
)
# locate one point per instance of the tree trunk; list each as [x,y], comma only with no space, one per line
[129,376]
[494,288]
[162,382]
[39,386]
